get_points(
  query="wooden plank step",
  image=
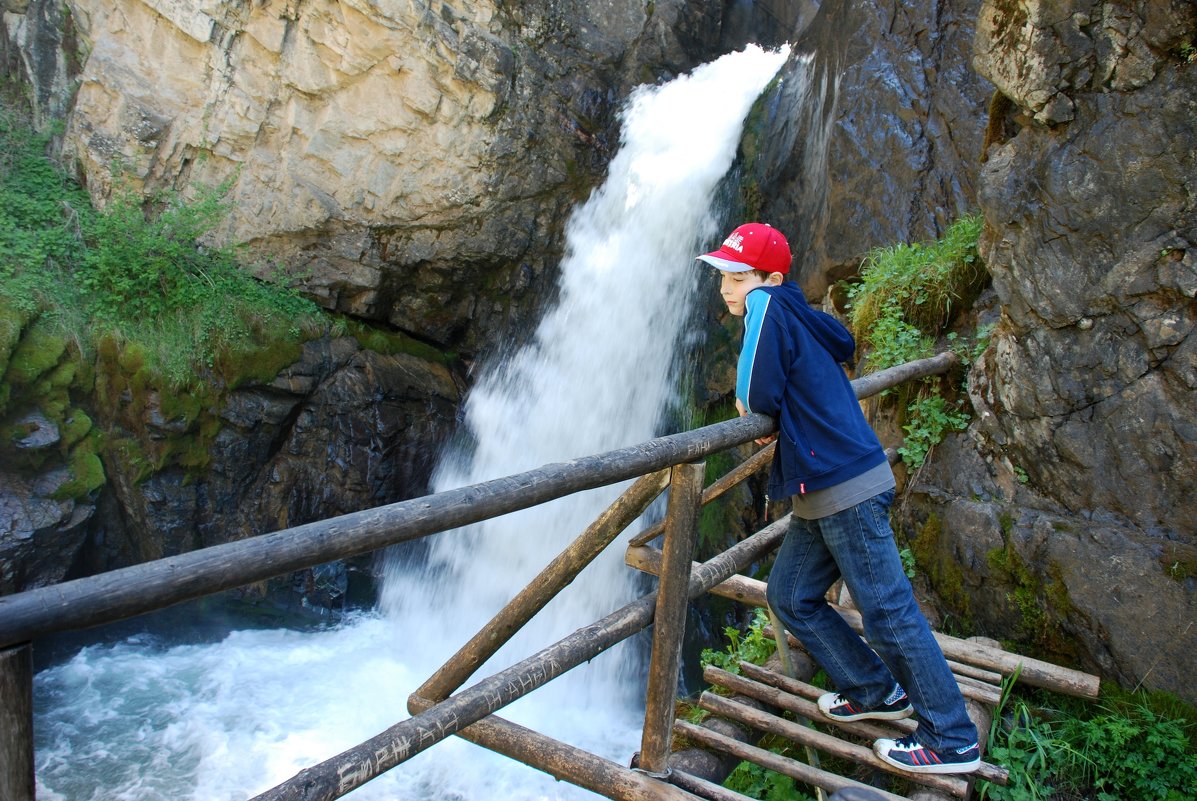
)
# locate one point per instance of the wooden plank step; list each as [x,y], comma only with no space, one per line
[775,762]
[969,688]
[826,743]
[798,697]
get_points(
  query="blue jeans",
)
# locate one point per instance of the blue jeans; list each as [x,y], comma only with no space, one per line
[858,545]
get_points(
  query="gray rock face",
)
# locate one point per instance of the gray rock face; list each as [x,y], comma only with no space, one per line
[884,147]
[1084,399]
[405,164]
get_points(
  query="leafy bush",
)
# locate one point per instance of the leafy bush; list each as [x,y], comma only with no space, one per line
[906,296]
[1131,754]
[119,304]
[928,418]
[1126,750]
[921,284]
[754,781]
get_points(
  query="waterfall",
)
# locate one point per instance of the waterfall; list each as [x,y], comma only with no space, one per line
[147,720]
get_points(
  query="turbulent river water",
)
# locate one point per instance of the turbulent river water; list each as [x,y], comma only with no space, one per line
[147,718]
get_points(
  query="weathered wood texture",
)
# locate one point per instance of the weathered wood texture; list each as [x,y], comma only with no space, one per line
[799,697]
[669,620]
[16,723]
[825,743]
[869,385]
[563,761]
[705,789]
[143,588]
[720,486]
[556,576]
[1034,672]
[350,769]
[784,765]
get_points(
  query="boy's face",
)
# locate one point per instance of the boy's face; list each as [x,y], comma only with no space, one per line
[734,287]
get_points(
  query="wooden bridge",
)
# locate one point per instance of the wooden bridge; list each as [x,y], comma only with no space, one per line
[775,700]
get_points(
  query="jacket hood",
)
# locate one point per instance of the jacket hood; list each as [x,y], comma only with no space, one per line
[827,331]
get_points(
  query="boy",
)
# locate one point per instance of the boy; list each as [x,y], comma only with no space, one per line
[831,464]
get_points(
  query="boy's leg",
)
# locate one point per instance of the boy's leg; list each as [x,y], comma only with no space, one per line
[862,543]
[802,573]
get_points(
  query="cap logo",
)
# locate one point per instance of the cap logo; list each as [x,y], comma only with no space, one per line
[735,242]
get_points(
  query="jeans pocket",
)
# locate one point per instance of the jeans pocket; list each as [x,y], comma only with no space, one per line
[876,511]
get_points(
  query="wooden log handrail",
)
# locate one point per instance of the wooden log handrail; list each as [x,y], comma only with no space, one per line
[146,587]
[138,589]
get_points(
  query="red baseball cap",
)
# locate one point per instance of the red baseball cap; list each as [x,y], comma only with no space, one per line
[752,246]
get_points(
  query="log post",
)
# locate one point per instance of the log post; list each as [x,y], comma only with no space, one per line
[542,589]
[16,723]
[669,622]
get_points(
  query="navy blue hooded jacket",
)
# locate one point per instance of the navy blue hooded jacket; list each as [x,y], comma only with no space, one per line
[789,369]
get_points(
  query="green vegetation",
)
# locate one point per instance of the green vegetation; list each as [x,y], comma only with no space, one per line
[750,646]
[904,301]
[127,307]
[755,781]
[1131,745]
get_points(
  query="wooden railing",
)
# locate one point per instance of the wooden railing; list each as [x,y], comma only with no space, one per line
[673,461]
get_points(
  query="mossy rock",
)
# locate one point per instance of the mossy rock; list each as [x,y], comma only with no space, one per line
[87,471]
[75,426]
[12,321]
[38,351]
[1042,602]
[943,572]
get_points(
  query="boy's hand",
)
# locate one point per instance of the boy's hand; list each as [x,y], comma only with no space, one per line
[763,440]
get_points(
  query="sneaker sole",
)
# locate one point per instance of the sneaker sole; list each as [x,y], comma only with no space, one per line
[942,768]
[897,714]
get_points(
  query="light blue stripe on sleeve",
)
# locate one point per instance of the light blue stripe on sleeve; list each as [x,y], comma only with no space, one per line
[754,316]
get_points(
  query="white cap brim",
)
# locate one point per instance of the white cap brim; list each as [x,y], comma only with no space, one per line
[726,265]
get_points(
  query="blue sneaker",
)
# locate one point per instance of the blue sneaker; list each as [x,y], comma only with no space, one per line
[836,707]
[910,755]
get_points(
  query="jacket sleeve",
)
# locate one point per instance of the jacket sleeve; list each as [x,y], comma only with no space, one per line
[762,368]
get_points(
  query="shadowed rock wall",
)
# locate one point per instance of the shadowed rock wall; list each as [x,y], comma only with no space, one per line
[1069,505]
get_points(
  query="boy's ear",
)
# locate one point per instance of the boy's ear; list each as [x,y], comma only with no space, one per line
[774,279]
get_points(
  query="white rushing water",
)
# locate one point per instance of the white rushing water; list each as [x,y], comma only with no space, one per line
[147,721]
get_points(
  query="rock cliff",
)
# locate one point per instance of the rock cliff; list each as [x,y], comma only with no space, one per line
[412,165]
[1068,504]
[409,165]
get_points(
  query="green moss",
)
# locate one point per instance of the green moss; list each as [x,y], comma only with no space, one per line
[75,427]
[944,574]
[1041,602]
[392,343]
[87,471]
[38,351]
[1179,561]
[11,324]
